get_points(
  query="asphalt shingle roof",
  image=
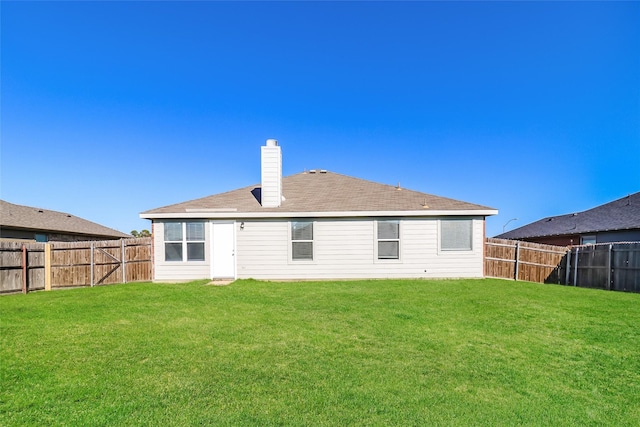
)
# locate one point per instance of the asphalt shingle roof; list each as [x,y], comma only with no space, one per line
[621,214]
[324,192]
[27,217]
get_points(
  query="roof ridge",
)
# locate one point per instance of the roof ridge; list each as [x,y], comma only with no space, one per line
[306,192]
[389,185]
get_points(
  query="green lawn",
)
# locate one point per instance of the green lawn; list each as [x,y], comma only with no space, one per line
[451,352]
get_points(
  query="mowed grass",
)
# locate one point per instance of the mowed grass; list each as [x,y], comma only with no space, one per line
[451,352]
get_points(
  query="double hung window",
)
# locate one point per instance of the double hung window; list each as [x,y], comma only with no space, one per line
[389,239]
[184,241]
[302,240]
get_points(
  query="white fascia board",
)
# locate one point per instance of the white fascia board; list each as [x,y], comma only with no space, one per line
[349,214]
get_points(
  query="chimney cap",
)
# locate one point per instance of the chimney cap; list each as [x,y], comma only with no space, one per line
[272,142]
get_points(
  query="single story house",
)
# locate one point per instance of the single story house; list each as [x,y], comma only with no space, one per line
[27,223]
[317,225]
[617,221]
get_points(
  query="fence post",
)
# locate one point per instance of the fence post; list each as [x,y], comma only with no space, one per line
[609,268]
[124,264]
[575,267]
[92,263]
[25,270]
[567,268]
[47,266]
[517,256]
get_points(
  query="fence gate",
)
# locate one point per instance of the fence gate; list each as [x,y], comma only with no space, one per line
[68,264]
[111,264]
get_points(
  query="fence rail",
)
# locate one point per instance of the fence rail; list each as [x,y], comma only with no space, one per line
[612,266]
[512,259]
[31,266]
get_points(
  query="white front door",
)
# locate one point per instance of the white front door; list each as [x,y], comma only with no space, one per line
[223,263]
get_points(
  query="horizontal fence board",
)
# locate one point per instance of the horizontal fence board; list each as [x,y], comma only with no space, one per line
[614,266]
[511,259]
[75,263]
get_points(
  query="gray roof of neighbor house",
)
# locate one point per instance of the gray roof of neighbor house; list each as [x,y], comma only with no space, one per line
[321,192]
[621,214]
[30,218]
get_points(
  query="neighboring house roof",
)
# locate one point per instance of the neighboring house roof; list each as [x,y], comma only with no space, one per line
[621,214]
[30,218]
[321,193]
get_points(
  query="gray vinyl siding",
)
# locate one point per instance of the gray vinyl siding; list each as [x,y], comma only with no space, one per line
[179,270]
[346,249]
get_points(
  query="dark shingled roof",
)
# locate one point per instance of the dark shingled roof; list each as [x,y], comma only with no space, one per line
[621,214]
[324,192]
[29,218]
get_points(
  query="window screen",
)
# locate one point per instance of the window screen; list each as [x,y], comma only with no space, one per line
[455,234]
[195,231]
[173,251]
[302,230]
[172,231]
[389,239]
[195,251]
[302,240]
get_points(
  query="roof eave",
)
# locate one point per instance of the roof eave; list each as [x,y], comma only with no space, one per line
[573,233]
[330,214]
[63,231]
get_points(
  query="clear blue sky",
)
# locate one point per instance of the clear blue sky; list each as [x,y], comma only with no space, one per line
[113,108]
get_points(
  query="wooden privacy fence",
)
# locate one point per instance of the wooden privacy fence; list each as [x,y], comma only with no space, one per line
[31,266]
[611,266]
[534,262]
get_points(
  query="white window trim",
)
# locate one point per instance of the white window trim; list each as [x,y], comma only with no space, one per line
[291,241]
[473,249]
[376,240]
[184,243]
